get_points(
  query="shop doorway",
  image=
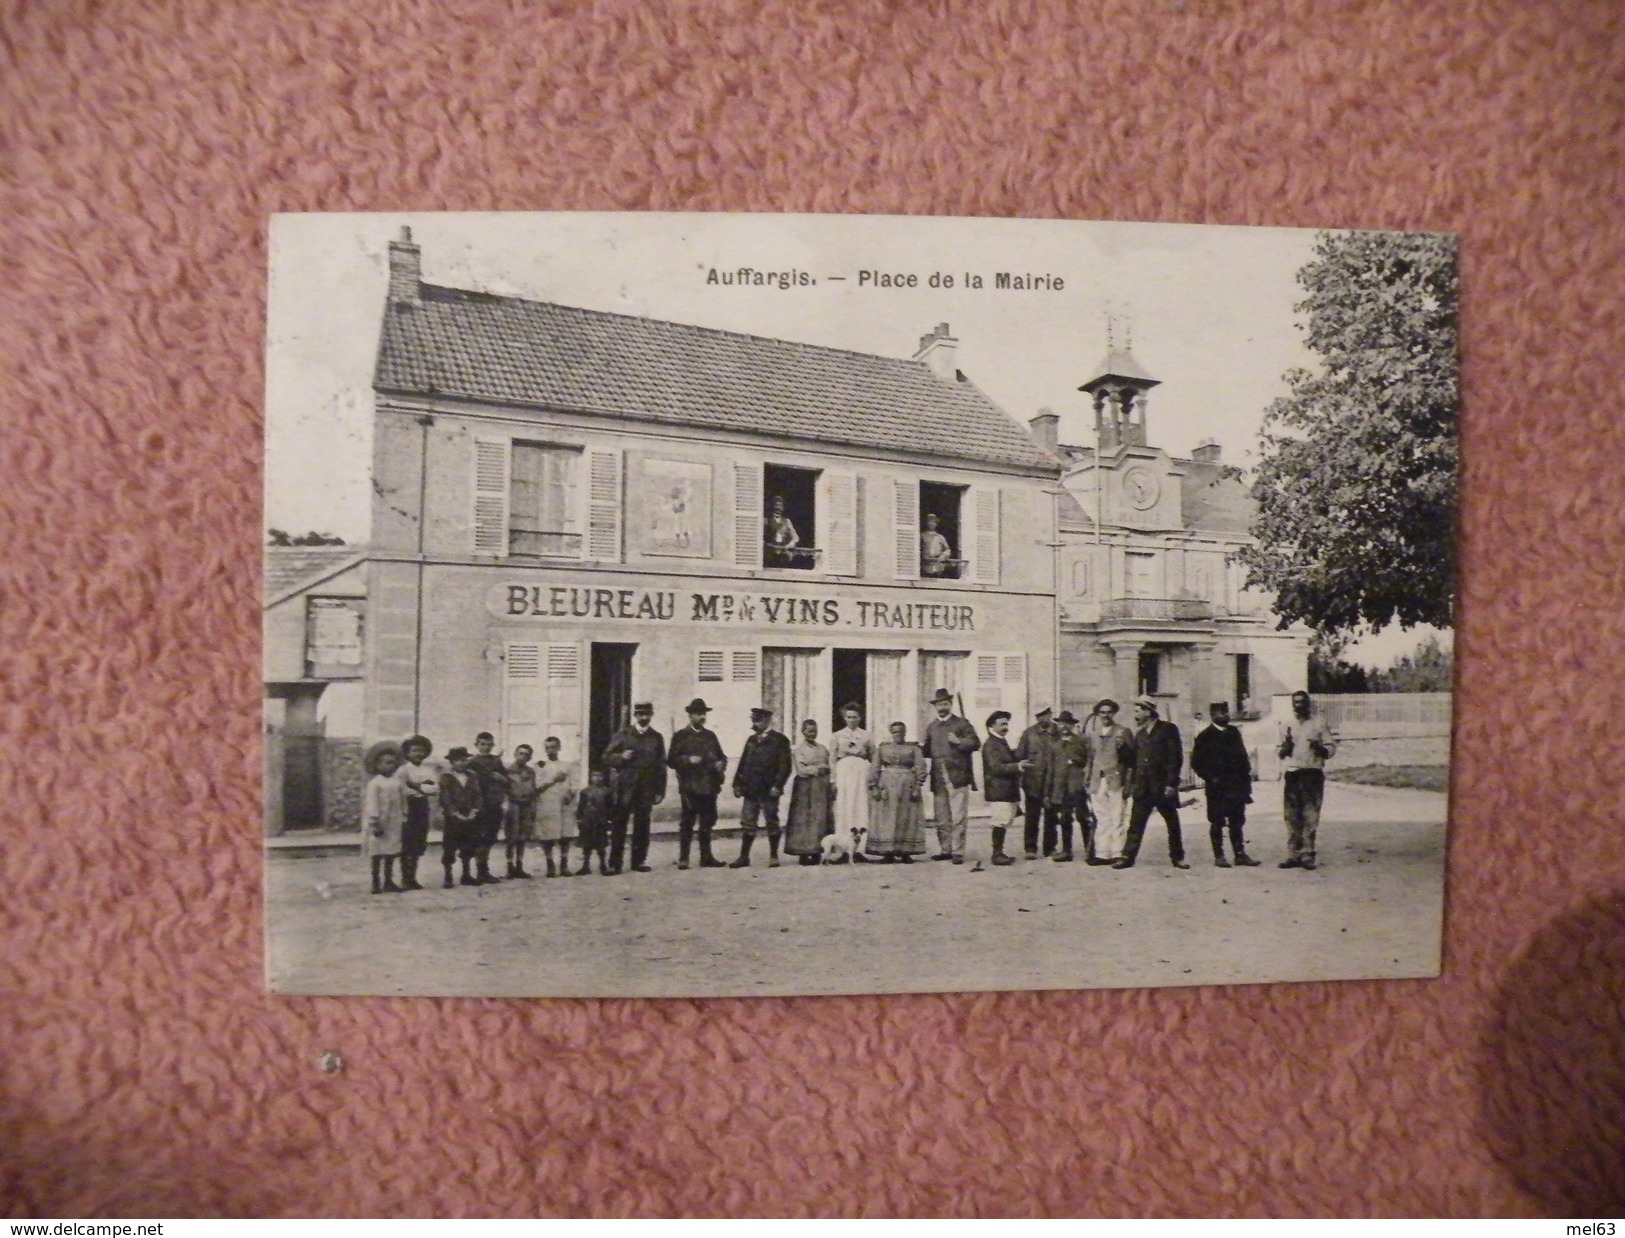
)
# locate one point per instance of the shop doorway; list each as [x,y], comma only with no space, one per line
[790,686]
[849,683]
[610,704]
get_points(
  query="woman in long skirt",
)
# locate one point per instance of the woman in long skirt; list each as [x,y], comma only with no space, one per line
[853,750]
[896,817]
[809,818]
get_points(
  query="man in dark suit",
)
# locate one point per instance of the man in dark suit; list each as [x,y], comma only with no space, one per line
[1219,759]
[949,742]
[1158,757]
[696,755]
[1033,751]
[636,760]
[759,778]
[1066,787]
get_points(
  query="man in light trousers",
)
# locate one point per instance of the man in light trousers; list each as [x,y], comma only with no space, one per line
[949,742]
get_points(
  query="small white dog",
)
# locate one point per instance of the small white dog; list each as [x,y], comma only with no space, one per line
[843,847]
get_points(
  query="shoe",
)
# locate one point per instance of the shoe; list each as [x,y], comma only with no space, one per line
[1308,866]
[641,868]
[1243,860]
[1292,863]
[1123,863]
[1220,862]
[741,862]
[584,871]
[944,856]
[1179,864]
[613,870]
[1032,855]
[682,866]
[488,879]
[959,859]
[774,862]
[1002,861]
[391,888]
[410,883]
[711,861]
[1062,857]
[466,880]
[905,859]
[378,889]
[1097,862]
[522,875]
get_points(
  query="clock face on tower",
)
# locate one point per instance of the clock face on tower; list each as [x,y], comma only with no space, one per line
[1142,488]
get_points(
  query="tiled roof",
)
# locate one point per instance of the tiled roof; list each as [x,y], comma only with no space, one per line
[1073,519]
[1120,363]
[503,349]
[287,567]
[1213,502]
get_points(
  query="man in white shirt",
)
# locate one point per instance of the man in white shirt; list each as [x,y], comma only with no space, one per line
[1307,743]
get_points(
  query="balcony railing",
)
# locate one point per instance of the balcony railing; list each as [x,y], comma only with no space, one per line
[1175,609]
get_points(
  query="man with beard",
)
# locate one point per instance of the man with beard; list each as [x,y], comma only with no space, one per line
[636,759]
[696,755]
[1219,759]
[1154,785]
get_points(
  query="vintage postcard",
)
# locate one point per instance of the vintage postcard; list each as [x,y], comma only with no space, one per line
[700,605]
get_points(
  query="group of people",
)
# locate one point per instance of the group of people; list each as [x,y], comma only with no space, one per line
[857,799]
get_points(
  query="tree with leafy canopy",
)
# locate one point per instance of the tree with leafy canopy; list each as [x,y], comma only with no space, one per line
[281,537]
[1356,491]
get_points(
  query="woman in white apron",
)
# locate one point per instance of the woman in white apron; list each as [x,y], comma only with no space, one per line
[852,749]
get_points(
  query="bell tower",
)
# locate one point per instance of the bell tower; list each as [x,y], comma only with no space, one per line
[1119,389]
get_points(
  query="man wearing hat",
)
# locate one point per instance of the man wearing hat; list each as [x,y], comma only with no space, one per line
[1219,759]
[1066,787]
[1307,743]
[949,742]
[759,778]
[1158,757]
[1033,751]
[696,755]
[636,760]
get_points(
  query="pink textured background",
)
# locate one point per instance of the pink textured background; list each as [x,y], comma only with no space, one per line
[142,1068]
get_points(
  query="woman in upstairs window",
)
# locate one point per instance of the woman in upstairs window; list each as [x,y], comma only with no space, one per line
[936,556]
[780,537]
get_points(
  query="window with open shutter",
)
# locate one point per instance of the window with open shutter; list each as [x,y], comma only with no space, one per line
[905,529]
[747,505]
[604,505]
[838,510]
[524,697]
[984,539]
[489,520]
[562,667]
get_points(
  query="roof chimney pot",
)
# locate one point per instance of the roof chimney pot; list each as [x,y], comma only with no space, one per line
[405,270]
[1045,426]
[1207,451]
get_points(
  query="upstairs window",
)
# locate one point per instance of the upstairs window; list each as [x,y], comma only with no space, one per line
[942,547]
[544,511]
[790,523]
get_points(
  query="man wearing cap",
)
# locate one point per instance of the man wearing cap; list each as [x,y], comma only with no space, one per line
[759,778]
[696,754]
[1154,785]
[636,760]
[1219,759]
[1066,786]
[1111,764]
[949,742]
[1033,751]
[1307,743]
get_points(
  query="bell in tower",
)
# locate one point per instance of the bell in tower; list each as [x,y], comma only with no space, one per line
[1119,390]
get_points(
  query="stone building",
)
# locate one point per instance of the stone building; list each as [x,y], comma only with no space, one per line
[574,510]
[1149,599]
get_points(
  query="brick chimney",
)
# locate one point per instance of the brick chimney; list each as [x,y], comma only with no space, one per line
[938,351]
[1207,452]
[405,270]
[1046,429]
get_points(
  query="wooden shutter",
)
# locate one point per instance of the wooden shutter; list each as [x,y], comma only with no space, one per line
[524,697]
[838,513]
[1000,683]
[730,681]
[982,504]
[747,515]
[905,529]
[561,667]
[602,543]
[489,521]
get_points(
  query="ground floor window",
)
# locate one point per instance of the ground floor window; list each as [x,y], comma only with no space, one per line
[1150,677]
[1244,681]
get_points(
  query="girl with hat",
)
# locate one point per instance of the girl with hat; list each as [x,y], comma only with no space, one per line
[383,815]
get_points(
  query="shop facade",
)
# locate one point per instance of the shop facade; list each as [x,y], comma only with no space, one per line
[575,510]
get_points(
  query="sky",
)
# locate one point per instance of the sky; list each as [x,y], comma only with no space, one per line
[1208,310]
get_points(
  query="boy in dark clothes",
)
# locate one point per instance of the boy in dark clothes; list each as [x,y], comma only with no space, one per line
[460,804]
[487,767]
[594,806]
